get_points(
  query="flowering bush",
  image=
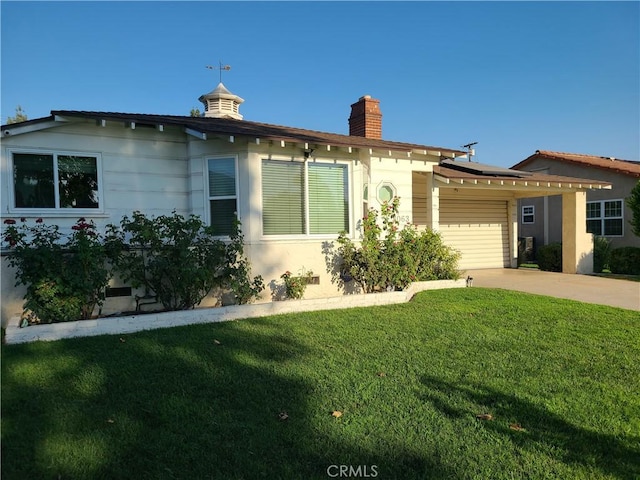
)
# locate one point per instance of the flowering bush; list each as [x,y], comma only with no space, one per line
[389,258]
[179,260]
[65,275]
[296,286]
[244,288]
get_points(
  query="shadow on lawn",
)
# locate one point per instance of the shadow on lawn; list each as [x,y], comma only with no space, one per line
[576,445]
[162,405]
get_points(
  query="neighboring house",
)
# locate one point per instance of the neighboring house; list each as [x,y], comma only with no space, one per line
[607,214]
[293,190]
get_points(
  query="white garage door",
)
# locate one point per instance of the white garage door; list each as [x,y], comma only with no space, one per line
[478,229]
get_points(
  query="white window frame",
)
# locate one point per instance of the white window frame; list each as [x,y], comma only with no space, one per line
[603,217]
[208,196]
[57,210]
[306,163]
[531,213]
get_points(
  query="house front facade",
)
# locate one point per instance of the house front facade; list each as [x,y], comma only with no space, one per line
[294,190]
[606,210]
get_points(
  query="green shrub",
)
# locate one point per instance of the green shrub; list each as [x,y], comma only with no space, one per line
[550,257]
[295,286]
[65,275]
[390,259]
[633,202]
[173,258]
[179,260]
[601,253]
[625,260]
[244,288]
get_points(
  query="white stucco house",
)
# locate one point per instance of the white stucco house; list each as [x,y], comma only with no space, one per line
[293,189]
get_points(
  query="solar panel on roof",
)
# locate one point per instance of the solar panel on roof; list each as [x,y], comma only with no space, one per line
[482,169]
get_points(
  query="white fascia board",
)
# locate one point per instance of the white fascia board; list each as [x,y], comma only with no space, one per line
[34,127]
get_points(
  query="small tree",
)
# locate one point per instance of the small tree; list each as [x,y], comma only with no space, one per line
[195,112]
[20,116]
[633,202]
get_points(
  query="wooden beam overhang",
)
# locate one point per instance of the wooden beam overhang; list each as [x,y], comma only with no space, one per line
[525,186]
[196,133]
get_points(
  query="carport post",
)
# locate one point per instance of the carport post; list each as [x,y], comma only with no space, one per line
[577,245]
[512,209]
[433,204]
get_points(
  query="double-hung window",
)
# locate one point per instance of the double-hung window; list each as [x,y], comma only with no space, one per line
[528,214]
[605,218]
[55,181]
[223,198]
[304,198]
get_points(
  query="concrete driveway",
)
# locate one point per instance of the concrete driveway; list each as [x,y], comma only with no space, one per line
[584,288]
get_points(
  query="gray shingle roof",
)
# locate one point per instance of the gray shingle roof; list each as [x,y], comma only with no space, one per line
[228,126]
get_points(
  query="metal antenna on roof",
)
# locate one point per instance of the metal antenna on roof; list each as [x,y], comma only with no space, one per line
[470,151]
[220,67]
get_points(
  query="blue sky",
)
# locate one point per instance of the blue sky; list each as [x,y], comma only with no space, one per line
[513,76]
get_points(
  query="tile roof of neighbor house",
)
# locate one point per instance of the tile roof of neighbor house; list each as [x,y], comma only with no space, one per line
[228,126]
[471,172]
[625,167]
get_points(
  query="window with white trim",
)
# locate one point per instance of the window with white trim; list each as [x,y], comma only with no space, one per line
[223,206]
[606,218]
[528,214]
[55,181]
[304,198]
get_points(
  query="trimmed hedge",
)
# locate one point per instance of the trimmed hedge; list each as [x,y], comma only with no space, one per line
[550,257]
[625,260]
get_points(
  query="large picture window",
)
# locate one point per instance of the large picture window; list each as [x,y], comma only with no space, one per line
[223,206]
[304,198]
[605,218]
[55,181]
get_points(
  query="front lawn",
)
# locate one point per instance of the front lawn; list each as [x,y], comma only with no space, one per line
[388,392]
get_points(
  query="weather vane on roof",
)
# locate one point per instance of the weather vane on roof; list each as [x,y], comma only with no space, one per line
[220,67]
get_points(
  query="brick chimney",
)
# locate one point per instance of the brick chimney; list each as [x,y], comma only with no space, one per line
[366,119]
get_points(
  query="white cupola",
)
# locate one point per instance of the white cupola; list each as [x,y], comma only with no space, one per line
[221,103]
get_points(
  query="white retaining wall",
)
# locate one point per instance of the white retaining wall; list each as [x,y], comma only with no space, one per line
[150,321]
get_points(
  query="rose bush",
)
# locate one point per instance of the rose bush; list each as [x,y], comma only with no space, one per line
[65,275]
[389,258]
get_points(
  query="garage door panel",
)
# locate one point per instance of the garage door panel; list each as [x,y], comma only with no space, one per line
[478,229]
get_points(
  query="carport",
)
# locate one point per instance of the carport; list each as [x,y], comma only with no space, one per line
[474,207]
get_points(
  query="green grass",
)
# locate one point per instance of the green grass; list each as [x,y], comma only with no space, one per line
[203,401]
[528,265]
